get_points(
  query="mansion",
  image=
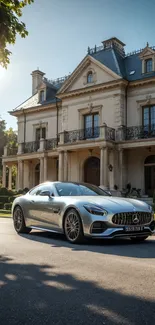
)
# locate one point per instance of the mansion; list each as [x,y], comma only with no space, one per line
[96,125]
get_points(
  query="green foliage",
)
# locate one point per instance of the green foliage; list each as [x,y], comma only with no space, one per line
[3,198]
[3,191]
[11,138]
[1,205]
[5,212]
[11,26]
[7,206]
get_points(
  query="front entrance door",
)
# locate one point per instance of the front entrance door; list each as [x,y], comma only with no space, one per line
[92,171]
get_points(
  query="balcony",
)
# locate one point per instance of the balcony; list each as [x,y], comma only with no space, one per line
[50,144]
[135,133]
[102,132]
[10,151]
[30,147]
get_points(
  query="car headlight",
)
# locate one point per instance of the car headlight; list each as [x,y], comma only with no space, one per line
[96,210]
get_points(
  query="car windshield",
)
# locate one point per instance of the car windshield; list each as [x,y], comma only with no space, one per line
[72,189]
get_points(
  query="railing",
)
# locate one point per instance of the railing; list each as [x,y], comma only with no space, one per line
[50,144]
[139,132]
[83,134]
[110,134]
[12,151]
[29,147]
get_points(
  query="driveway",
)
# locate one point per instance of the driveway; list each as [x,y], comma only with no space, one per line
[46,280]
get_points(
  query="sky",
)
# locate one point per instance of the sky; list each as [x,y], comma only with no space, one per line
[60,32]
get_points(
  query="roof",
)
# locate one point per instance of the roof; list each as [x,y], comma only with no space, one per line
[128,67]
[34,102]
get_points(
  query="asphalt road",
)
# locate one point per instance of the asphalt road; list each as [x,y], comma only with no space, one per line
[46,280]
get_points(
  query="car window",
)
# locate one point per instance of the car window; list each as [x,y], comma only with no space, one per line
[73,189]
[38,189]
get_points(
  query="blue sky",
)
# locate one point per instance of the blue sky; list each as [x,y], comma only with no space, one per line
[60,32]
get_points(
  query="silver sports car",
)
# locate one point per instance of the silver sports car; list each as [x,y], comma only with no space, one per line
[79,210]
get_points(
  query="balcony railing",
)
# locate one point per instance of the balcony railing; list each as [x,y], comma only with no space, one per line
[29,147]
[139,132]
[110,134]
[50,144]
[83,134]
[104,132]
[12,151]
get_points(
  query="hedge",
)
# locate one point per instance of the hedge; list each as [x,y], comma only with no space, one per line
[7,206]
[4,198]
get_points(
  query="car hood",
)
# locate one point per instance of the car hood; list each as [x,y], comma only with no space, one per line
[115,204]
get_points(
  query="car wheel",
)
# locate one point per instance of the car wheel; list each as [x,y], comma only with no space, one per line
[73,227]
[19,222]
[139,239]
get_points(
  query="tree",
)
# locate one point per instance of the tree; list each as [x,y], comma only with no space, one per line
[11,138]
[10,26]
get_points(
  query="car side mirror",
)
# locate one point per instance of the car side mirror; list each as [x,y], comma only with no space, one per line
[45,193]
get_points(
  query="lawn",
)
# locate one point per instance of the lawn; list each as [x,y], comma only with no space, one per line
[5,213]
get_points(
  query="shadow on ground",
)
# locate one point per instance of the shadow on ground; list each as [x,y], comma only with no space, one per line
[34,294]
[121,247]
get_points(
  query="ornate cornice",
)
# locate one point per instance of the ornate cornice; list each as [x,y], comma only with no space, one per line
[95,88]
[34,109]
[142,82]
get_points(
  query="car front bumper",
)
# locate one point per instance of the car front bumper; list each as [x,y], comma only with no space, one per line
[121,232]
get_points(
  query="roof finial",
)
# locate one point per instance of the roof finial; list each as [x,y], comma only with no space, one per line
[147,44]
[38,68]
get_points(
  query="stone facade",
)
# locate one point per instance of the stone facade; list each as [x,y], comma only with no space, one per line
[63,152]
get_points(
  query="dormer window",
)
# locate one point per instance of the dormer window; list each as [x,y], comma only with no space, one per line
[148,65]
[89,77]
[42,96]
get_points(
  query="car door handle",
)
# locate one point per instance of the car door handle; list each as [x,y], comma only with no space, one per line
[32,201]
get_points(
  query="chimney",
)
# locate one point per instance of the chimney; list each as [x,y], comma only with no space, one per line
[37,77]
[115,43]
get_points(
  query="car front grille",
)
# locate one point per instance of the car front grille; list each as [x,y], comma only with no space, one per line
[132,218]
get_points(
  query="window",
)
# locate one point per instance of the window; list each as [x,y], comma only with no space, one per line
[149,118]
[91,126]
[148,65]
[73,189]
[89,77]
[40,133]
[38,189]
[42,96]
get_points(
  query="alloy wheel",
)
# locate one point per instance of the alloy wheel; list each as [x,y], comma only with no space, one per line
[72,226]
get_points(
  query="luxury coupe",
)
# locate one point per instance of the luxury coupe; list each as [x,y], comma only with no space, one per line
[79,210]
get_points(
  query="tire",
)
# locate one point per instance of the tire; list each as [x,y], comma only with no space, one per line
[73,227]
[139,239]
[19,222]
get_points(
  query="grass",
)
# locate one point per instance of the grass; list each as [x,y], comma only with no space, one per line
[5,213]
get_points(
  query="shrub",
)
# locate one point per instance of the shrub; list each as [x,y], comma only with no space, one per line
[3,191]
[12,198]
[7,206]
[1,205]
[20,191]
[4,198]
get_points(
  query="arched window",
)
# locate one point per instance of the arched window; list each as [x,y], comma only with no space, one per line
[89,77]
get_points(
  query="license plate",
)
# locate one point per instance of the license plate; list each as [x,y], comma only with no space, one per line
[134,228]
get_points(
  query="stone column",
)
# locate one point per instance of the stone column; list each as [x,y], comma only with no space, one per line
[4,175]
[61,166]
[20,174]
[104,167]
[66,166]
[45,169]
[10,178]
[16,185]
[121,169]
[41,169]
